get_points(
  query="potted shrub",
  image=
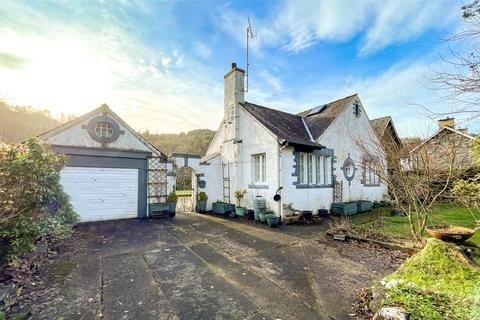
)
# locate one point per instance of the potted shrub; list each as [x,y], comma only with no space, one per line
[172,202]
[239,194]
[202,202]
[272,220]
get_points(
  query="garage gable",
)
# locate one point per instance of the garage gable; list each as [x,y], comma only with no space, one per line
[100,128]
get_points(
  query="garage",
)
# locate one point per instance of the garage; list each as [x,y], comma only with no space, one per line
[99,194]
[106,173]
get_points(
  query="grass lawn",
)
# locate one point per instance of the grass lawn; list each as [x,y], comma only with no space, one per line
[184,193]
[397,226]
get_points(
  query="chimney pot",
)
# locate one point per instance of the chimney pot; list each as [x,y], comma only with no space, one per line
[234,65]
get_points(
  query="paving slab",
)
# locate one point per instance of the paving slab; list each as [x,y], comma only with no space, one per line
[79,295]
[194,291]
[130,291]
[336,278]
[276,301]
[286,267]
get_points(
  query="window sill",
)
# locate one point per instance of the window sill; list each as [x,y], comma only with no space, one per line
[371,184]
[258,186]
[313,186]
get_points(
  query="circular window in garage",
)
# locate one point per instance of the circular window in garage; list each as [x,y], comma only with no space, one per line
[103,129]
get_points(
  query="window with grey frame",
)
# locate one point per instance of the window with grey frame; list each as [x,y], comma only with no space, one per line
[315,170]
[371,177]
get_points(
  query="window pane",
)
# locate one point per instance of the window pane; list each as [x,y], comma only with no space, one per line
[328,170]
[302,168]
[311,168]
[264,168]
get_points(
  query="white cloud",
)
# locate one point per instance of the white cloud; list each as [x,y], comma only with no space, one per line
[203,50]
[297,25]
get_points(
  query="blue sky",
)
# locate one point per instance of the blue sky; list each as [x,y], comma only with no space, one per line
[160,64]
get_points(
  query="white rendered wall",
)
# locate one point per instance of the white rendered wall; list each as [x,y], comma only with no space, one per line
[76,136]
[346,135]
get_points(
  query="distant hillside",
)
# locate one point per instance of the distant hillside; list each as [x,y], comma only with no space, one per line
[195,141]
[18,123]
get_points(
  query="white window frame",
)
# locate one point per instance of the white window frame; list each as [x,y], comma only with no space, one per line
[311,168]
[259,168]
[303,178]
[320,169]
[328,171]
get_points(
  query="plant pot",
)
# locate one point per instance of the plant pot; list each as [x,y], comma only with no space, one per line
[202,205]
[344,208]
[272,220]
[172,208]
[250,215]
[291,219]
[156,208]
[364,206]
[240,211]
[450,233]
[223,208]
[262,216]
[307,215]
[323,213]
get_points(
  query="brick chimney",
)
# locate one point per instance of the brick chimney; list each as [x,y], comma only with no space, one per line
[233,95]
[447,122]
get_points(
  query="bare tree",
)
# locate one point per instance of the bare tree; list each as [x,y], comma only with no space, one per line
[457,80]
[417,183]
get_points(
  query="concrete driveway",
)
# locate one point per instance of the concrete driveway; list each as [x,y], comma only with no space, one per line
[204,267]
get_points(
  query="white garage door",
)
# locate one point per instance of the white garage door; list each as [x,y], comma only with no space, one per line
[102,193]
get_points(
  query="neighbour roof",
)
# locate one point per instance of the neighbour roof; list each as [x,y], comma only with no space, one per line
[287,126]
[440,130]
[380,125]
[320,118]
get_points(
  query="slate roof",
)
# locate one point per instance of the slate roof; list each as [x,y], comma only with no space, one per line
[287,126]
[320,118]
[380,125]
[303,128]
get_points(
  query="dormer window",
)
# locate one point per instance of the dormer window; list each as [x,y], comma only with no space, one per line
[103,129]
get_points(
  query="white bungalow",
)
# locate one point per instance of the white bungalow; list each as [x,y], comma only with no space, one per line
[311,159]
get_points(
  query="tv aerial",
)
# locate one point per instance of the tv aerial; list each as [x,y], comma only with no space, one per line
[250,35]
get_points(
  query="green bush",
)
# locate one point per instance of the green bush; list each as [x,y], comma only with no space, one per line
[172,197]
[202,196]
[34,206]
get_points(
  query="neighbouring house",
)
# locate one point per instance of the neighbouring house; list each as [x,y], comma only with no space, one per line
[446,142]
[386,132]
[311,159]
[111,171]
